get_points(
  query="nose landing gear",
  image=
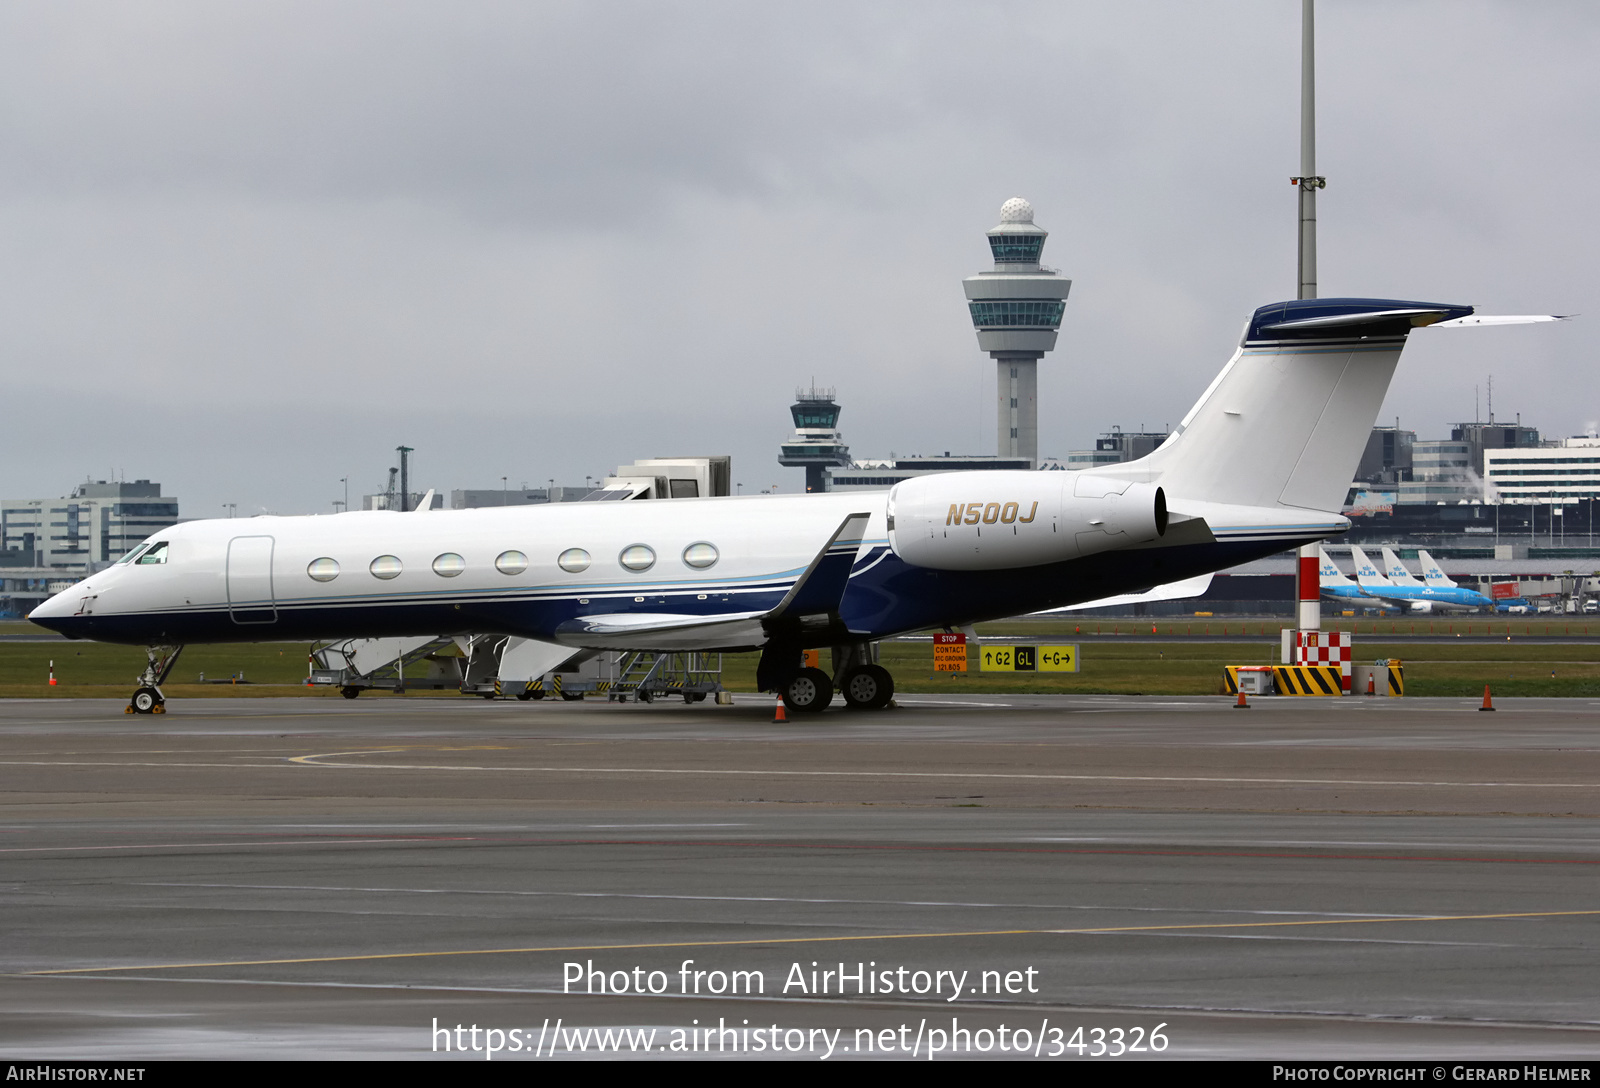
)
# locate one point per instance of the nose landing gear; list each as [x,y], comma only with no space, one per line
[147,698]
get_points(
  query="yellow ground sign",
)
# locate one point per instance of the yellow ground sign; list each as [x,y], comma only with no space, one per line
[1028,658]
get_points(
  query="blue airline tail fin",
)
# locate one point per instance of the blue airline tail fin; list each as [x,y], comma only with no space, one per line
[1432,575]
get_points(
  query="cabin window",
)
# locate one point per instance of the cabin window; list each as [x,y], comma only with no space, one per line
[700,556]
[156,554]
[573,560]
[386,567]
[449,565]
[637,557]
[511,562]
[323,570]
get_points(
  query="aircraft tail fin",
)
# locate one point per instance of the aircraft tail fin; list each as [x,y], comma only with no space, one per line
[1328,573]
[1431,574]
[1396,571]
[1285,422]
[1367,576]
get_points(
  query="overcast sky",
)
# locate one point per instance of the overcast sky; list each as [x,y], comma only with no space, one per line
[248,249]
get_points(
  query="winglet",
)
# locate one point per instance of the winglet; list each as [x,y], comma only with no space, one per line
[819,590]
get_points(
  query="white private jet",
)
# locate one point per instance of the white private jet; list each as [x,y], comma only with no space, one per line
[1257,466]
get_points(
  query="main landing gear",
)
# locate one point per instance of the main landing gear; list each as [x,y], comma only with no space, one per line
[865,684]
[147,697]
[867,687]
[808,691]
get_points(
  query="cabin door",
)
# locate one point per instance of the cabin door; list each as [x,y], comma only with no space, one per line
[250,598]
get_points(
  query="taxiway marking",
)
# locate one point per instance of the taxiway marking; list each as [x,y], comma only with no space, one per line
[318,760]
[1176,928]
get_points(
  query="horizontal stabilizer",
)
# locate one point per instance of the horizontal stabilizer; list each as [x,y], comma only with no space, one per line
[1416,317]
[1499,319]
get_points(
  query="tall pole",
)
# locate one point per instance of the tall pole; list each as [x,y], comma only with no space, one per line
[1308,576]
[405,479]
[1308,180]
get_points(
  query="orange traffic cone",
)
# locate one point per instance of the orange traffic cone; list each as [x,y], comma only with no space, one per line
[1241,704]
[1372,688]
[1487,704]
[780,716]
[52,674]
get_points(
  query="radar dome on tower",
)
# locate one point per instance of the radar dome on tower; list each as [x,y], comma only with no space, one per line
[1016,310]
[1016,210]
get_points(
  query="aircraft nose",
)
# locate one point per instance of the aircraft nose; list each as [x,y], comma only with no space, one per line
[57,612]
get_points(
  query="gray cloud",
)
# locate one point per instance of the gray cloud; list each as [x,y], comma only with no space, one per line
[250,249]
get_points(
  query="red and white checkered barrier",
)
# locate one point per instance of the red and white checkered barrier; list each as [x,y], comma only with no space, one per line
[1325,648]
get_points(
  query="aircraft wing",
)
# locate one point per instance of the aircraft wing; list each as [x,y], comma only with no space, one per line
[819,590]
[1171,591]
[813,600]
[662,631]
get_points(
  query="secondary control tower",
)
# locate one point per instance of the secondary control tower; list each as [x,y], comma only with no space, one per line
[1017,310]
[816,445]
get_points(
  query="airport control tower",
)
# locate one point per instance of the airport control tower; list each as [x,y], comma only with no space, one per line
[1017,309]
[816,444]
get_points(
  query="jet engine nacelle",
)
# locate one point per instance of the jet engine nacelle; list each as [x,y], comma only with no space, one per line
[1422,606]
[999,520]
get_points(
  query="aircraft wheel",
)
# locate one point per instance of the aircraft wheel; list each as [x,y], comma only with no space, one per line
[349,692]
[145,701]
[869,687]
[808,691]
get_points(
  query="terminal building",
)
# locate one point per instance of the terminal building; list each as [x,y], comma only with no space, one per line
[96,525]
[48,544]
[1116,446]
[1551,474]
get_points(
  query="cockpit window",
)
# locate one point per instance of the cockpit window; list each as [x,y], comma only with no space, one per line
[131,556]
[156,554]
